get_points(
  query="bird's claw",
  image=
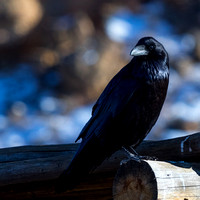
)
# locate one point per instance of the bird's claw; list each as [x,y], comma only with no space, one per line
[149,158]
[132,155]
[137,159]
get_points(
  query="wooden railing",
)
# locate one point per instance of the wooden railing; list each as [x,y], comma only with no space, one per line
[30,172]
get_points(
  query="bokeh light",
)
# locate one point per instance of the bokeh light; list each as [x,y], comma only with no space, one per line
[56,57]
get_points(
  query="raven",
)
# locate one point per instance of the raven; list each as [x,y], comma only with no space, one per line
[125,112]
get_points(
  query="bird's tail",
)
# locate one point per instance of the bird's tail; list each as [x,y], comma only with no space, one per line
[87,158]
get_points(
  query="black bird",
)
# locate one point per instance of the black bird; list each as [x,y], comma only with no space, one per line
[124,113]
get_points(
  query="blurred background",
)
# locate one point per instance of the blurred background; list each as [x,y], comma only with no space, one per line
[56,57]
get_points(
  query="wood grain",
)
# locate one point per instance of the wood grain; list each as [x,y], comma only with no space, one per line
[152,180]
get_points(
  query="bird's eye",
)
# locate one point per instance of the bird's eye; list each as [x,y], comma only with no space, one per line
[151,47]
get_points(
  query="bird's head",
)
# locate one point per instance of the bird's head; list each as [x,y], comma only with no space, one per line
[149,47]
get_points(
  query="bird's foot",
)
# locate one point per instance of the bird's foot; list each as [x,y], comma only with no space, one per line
[132,155]
[124,161]
[148,158]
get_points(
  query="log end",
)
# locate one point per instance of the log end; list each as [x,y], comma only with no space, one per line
[136,181]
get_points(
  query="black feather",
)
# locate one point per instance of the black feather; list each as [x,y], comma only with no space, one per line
[124,113]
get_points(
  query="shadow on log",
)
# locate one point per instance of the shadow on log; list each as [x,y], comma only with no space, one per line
[30,171]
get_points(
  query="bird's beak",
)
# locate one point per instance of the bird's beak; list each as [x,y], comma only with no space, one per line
[139,51]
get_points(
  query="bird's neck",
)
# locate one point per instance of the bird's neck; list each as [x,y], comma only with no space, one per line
[149,69]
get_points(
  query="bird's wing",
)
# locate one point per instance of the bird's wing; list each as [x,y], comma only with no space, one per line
[111,102]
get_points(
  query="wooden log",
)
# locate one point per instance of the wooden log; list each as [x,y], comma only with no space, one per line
[152,180]
[31,171]
[136,181]
[35,163]
[185,148]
